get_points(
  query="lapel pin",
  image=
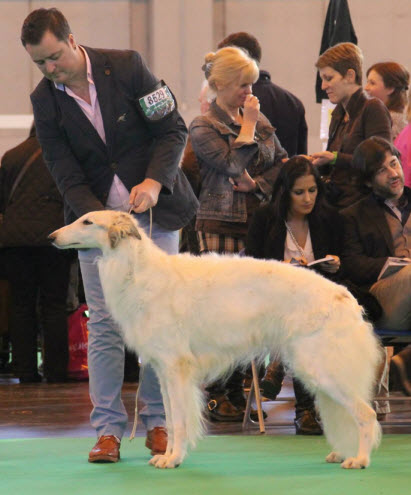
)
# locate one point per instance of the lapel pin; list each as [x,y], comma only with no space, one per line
[122,118]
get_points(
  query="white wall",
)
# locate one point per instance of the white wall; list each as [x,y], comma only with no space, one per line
[173,35]
[290,33]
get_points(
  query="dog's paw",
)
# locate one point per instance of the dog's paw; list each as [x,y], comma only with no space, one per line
[158,461]
[153,461]
[165,461]
[173,461]
[355,463]
[334,457]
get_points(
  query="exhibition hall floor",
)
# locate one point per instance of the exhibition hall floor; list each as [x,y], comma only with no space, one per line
[45,437]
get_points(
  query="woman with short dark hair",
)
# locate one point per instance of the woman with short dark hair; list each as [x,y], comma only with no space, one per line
[355,118]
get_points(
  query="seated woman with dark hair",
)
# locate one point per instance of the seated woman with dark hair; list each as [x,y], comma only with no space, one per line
[297,227]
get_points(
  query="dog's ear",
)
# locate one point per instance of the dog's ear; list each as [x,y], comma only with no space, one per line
[122,228]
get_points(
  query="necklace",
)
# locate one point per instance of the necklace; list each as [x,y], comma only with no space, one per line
[294,239]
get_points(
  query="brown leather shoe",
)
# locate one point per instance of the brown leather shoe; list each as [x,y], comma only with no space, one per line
[107,449]
[156,440]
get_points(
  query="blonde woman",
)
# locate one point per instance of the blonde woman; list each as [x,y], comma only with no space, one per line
[239,157]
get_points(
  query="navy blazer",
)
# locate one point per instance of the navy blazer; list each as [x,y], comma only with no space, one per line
[83,166]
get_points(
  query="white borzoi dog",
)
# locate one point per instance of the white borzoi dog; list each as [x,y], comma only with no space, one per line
[195,318]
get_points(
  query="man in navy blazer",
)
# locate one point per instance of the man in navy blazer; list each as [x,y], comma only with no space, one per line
[112,138]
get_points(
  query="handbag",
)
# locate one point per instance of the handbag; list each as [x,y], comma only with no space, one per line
[78,344]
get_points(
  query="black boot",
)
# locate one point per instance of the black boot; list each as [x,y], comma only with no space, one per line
[273,380]
[221,409]
[307,423]
[238,399]
[306,420]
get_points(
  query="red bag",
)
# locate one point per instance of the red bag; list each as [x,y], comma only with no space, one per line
[78,344]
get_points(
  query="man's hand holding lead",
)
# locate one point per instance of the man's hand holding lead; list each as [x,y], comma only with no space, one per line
[144,195]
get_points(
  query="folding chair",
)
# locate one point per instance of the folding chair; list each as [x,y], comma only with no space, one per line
[254,393]
[390,338]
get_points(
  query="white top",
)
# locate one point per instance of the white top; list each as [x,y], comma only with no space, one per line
[291,250]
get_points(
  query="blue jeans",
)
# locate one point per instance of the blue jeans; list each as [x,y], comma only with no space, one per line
[106,349]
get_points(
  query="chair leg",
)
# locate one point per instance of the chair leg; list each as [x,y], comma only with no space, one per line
[254,392]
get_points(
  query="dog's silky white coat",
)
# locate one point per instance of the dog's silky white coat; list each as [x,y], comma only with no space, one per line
[195,318]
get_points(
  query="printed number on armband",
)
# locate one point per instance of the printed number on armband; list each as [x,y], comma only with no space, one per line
[157,104]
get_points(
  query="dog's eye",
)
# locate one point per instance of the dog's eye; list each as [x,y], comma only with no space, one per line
[87,222]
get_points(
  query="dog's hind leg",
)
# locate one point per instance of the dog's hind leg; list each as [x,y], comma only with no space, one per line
[350,426]
[369,432]
[342,377]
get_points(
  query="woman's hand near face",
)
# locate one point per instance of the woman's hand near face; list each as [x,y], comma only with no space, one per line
[331,266]
[243,183]
[322,158]
[251,110]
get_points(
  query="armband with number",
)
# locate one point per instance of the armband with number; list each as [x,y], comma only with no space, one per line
[157,104]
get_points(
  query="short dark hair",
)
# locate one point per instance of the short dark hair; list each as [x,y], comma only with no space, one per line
[243,40]
[296,167]
[370,155]
[342,57]
[41,20]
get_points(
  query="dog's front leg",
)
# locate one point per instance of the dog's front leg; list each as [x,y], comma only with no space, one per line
[176,391]
[161,459]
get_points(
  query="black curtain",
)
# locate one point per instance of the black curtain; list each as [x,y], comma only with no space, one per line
[337,28]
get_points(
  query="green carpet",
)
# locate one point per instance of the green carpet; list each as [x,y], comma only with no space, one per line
[281,465]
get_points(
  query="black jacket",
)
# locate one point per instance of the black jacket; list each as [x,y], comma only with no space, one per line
[83,166]
[36,207]
[285,112]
